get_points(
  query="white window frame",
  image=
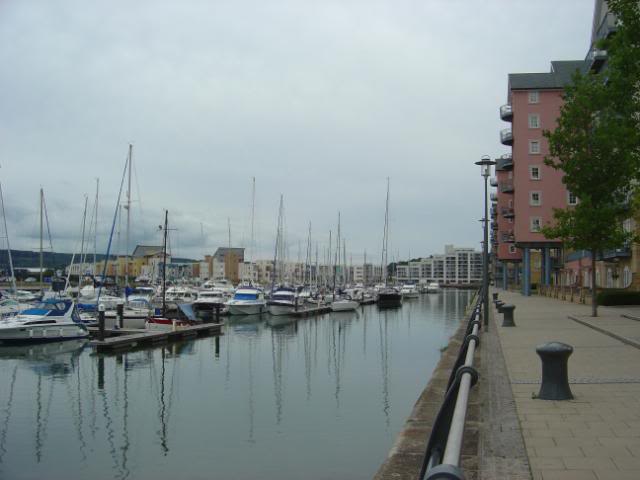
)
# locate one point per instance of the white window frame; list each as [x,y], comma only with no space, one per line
[536,150]
[534,120]
[534,96]
[569,196]
[532,224]
[531,175]
[532,201]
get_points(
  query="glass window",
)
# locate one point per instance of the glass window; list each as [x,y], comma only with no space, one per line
[535,224]
[534,120]
[534,96]
[535,198]
[572,199]
[534,147]
[512,249]
[534,172]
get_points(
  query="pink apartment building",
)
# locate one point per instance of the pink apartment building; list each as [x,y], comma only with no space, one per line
[527,189]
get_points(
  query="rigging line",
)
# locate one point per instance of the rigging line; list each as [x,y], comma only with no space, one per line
[46,216]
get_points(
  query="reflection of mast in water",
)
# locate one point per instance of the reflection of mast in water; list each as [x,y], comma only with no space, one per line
[335,351]
[7,417]
[384,363]
[162,411]
[125,421]
[276,357]
[251,406]
[42,418]
[306,337]
[364,332]
[107,418]
[75,406]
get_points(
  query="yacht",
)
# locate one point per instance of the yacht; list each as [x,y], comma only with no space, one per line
[409,291]
[10,307]
[283,301]
[389,297]
[344,304]
[49,321]
[181,295]
[247,300]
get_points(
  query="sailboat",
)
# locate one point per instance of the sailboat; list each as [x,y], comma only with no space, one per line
[161,322]
[341,302]
[388,296]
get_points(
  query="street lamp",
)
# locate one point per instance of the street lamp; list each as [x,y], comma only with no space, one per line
[485,170]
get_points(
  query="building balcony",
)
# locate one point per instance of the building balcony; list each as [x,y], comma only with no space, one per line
[507,212]
[506,187]
[494,225]
[494,212]
[493,197]
[616,253]
[505,162]
[506,136]
[597,59]
[506,112]
[507,237]
[493,182]
[607,27]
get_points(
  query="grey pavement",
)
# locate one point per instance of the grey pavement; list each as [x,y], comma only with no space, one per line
[597,434]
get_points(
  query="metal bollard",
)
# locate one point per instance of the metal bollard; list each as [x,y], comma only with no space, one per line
[499,304]
[120,313]
[507,317]
[101,322]
[555,376]
[495,297]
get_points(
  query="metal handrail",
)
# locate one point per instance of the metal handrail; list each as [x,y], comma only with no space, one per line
[442,456]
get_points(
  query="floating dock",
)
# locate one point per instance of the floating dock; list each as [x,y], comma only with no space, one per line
[129,338]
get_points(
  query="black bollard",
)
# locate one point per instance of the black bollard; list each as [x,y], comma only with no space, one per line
[120,314]
[499,305]
[101,322]
[217,346]
[507,318]
[495,297]
[295,306]
[555,376]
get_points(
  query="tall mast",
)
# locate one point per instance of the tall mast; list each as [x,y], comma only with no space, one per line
[41,233]
[316,272]
[6,232]
[229,228]
[95,228]
[128,207]
[385,238]
[278,240]
[164,265]
[335,265]
[253,206]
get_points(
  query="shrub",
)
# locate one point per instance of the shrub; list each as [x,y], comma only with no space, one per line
[612,296]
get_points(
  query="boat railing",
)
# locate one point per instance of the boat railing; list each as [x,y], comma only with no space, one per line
[442,456]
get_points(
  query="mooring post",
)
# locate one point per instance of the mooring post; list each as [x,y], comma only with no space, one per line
[495,297]
[217,308]
[217,346]
[120,313]
[507,317]
[101,322]
[100,373]
[499,304]
[295,304]
[555,372]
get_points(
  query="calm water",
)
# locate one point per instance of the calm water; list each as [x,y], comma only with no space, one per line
[272,399]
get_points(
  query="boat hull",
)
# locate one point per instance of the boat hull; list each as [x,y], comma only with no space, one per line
[278,309]
[389,300]
[246,308]
[42,333]
[344,306]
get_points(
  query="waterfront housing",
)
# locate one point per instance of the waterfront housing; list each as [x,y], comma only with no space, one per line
[456,266]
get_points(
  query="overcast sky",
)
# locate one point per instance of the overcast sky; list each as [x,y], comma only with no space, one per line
[318,100]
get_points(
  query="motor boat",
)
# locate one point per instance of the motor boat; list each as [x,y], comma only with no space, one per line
[433,287]
[409,291]
[344,304]
[10,307]
[283,301]
[52,320]
[389,297]
[247,300]
[181,295]
[208,301]
[184,317]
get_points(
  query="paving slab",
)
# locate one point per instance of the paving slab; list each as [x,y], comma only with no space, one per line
[597,434]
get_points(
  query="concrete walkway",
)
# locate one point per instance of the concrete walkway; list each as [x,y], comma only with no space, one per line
[596,435]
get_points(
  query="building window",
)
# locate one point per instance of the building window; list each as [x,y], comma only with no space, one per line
[534,120]
[534,147]
[572,199]
[626,277]
[535,224]
[512,249]
[510,203]
[534,172]
[534,96]
[535,198]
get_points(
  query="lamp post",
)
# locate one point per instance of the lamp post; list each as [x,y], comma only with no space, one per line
[485,170]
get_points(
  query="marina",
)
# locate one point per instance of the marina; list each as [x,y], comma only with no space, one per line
[334,388]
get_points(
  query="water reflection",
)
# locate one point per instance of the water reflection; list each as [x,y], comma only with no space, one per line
[270,386]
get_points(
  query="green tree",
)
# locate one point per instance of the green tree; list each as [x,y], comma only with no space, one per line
[597,145]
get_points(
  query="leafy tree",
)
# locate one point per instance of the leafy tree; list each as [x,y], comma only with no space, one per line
[597,145]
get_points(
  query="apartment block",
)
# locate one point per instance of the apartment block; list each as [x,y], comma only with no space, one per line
[457,266]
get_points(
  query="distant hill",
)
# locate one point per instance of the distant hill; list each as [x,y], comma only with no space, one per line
[51,260]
